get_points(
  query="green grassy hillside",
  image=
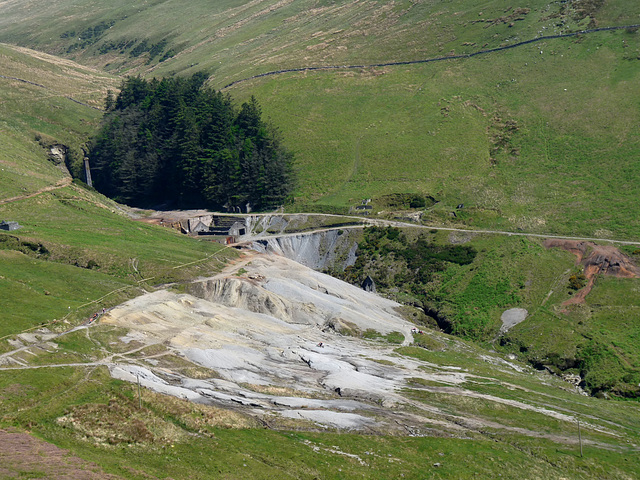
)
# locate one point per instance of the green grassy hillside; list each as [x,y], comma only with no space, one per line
[75,246]
[537,142]
[539,138]
[234,39]
[465,282]
[38,111]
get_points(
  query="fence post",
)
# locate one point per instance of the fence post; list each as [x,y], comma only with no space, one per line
[580,437]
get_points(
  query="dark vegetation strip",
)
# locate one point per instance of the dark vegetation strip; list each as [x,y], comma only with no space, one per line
[47,88]
[435,59]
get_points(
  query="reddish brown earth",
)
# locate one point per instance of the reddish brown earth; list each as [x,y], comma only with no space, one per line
[596,260]
[24,456]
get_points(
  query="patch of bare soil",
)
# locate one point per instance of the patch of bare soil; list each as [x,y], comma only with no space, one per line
[596,260]
[24,456]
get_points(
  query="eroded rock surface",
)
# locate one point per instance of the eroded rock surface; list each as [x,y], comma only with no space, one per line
[596,259]
[512,317]
[278,324]
[320,250]
[283,343]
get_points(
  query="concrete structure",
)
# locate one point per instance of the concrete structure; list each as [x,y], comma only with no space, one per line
[197,227]
[238,229]
[9,226]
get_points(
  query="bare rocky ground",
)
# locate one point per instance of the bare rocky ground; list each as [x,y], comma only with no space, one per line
[271,342]
[282,343]
[270,323]
[512,317]
[596,260]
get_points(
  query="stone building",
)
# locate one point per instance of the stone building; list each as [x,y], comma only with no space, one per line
[9,226]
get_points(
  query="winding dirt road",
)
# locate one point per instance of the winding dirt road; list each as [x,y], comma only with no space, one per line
[183,214]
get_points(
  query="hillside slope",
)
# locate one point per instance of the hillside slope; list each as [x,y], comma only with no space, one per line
[268,400]
[76,250]
[46,101]
[357,133]
[235,39]
[538,138]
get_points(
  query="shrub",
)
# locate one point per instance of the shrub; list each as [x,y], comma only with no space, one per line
[91,264]
[577,281]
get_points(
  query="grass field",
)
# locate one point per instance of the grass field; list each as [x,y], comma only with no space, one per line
[234,39]
[74,248]
[506,133]
[98,418]
[542,138]
[539,138]
[33,117]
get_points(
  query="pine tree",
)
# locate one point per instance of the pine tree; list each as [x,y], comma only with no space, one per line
[176,141]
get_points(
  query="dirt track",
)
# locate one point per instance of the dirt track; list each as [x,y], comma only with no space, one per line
[24,456]
[64,182]
[177,215]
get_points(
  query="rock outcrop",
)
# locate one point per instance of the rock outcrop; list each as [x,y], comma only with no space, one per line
[322,250]
[276,324]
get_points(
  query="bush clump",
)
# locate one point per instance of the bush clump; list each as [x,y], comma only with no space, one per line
[174,141]
[577,281]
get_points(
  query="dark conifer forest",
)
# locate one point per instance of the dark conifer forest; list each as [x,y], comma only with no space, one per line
[177,143]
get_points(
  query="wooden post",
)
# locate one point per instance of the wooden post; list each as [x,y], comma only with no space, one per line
[580,437]
[139,396]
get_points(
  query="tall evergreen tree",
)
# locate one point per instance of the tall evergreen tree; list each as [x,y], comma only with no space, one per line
[175,141]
